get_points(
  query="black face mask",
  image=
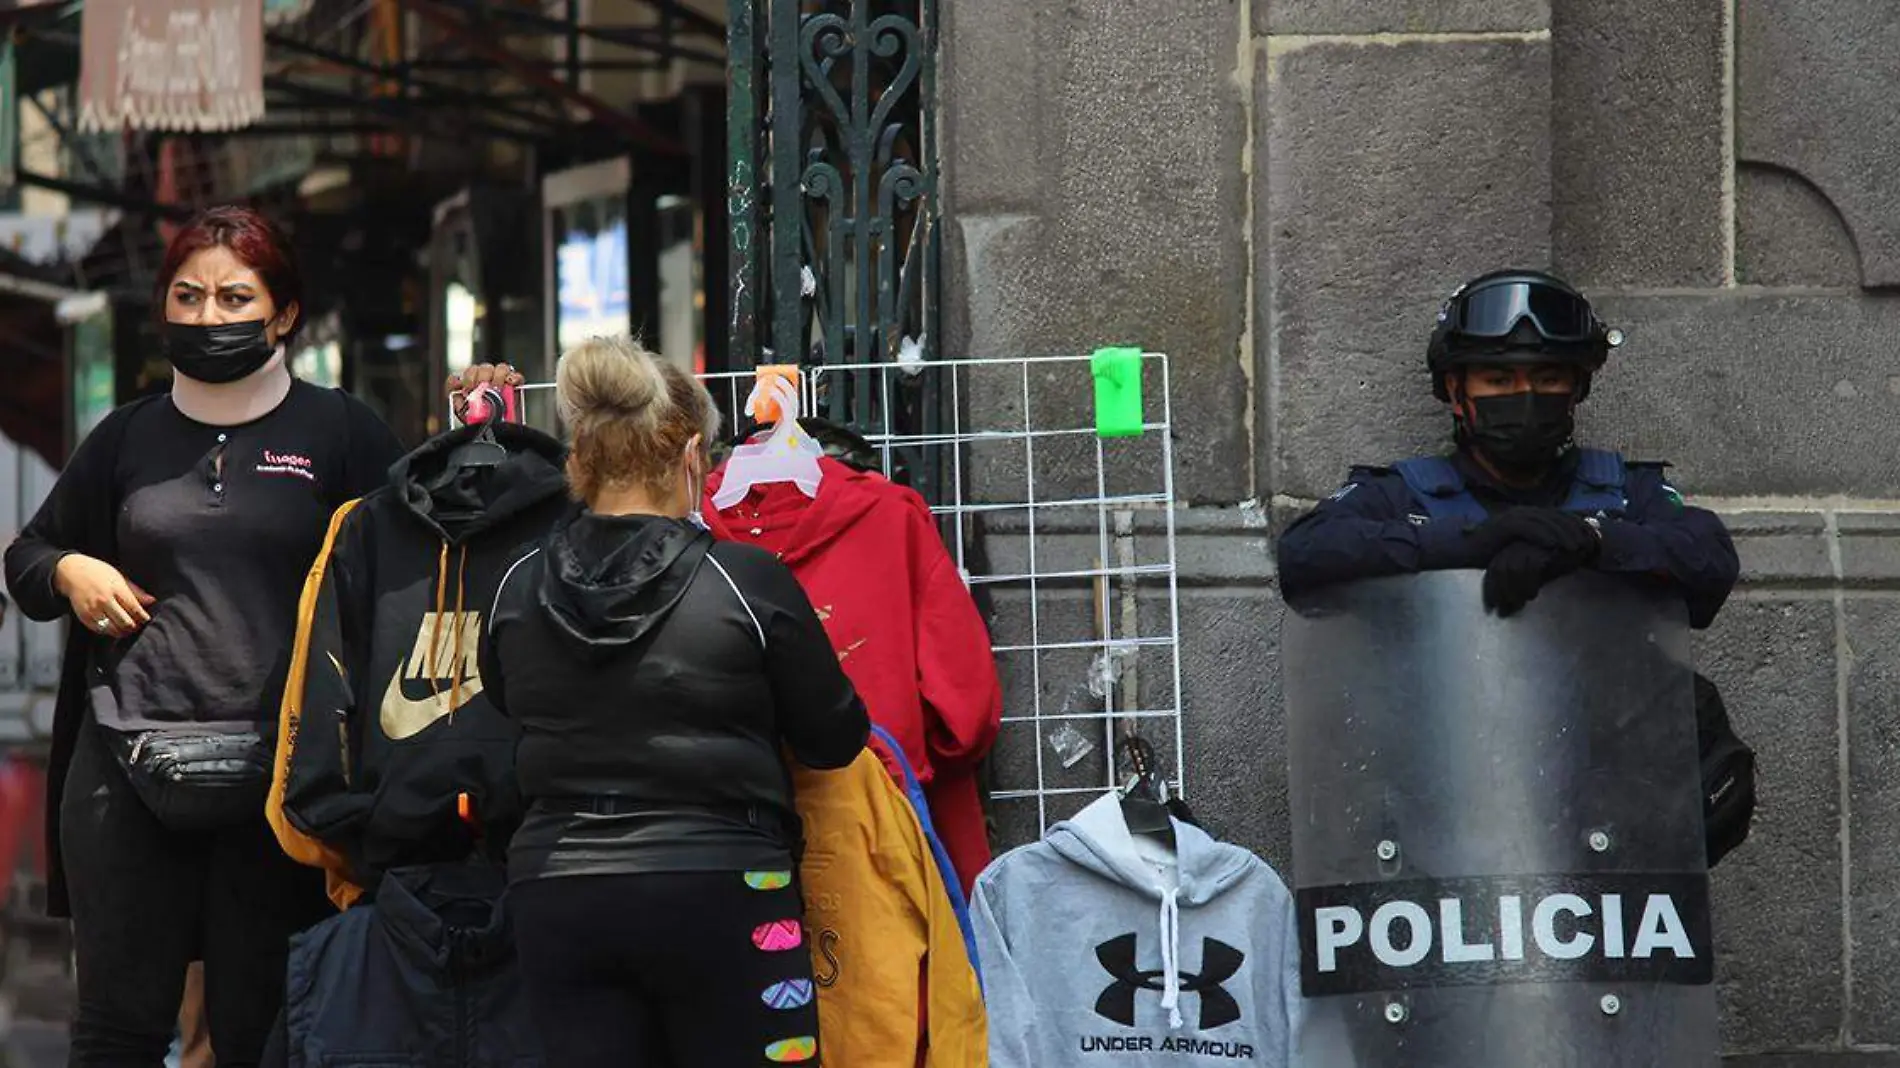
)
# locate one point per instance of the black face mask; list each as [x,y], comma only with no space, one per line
[217,354]
[1521,432]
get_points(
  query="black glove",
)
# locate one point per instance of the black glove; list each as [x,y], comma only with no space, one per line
[1562,533]
[1522,568]
[1514,577]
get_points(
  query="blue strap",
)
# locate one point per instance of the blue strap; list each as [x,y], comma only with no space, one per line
[913,789]
[1438,488]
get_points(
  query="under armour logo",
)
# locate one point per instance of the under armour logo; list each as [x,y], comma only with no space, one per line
[1219,963]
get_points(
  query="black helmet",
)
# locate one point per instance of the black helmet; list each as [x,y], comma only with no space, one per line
[1534,316]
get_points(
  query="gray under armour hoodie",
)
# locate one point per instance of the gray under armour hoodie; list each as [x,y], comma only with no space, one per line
[1100,949]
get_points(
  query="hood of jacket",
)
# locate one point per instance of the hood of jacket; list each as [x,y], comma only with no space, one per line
[460,500]
[844,496]
[610,579]
[1098,839]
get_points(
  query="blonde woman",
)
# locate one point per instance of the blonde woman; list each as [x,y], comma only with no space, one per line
[657,676]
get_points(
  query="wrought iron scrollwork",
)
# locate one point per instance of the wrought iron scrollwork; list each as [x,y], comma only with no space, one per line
[834,102]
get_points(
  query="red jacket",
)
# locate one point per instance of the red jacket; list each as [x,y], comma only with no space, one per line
[869,555]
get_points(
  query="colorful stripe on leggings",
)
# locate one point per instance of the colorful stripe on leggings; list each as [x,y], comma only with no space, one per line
[792,1050]
[768,880]
[778,936]
[790,994]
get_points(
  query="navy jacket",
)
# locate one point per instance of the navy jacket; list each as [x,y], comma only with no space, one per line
[1375,526]
[425,976]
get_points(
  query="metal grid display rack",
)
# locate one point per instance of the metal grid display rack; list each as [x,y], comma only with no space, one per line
[1066,539]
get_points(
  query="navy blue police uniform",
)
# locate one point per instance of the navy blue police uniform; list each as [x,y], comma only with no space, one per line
[1418,514]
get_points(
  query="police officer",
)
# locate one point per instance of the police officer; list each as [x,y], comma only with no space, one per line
[1513,354]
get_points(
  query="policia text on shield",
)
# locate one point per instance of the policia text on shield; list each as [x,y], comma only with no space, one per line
[1496,802]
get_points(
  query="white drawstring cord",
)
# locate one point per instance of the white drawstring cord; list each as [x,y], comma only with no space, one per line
[1171,957]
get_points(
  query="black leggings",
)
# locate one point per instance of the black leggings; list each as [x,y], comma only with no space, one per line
[688,970]
[147,902]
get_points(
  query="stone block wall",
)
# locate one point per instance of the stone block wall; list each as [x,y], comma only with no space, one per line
[1278,193]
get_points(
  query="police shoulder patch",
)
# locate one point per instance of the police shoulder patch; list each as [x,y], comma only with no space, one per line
[1659,467]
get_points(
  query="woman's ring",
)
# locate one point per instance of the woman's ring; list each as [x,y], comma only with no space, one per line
[103,623]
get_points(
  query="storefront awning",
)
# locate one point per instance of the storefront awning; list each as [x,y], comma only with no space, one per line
[171,64]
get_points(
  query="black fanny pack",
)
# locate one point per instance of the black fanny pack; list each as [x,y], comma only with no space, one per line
[196,780]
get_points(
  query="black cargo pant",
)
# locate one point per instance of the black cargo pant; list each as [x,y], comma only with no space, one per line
[675,970]
[147,902]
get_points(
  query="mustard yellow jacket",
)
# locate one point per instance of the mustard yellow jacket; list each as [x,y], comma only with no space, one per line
[895,984]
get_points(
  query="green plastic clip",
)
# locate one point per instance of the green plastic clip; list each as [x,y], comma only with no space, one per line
[1117,392]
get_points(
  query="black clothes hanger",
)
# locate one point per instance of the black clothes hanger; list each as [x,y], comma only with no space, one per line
[1180,811]
[1144,800]
[842,443]
[482,450]
[479,454]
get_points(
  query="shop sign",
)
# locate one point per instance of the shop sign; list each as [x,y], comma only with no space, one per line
[171,64]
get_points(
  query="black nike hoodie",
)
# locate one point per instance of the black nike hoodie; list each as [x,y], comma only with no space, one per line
[391,751]
[658,678]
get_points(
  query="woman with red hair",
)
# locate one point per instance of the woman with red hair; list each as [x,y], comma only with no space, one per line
[177,538]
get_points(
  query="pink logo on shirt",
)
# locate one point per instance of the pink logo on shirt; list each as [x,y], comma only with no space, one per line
[286,463]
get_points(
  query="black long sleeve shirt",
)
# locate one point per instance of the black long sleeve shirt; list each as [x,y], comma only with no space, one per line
[219,524]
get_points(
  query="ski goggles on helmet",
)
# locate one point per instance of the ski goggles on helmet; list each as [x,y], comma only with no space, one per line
[1497,309]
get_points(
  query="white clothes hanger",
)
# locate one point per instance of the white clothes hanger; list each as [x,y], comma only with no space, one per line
[787,454]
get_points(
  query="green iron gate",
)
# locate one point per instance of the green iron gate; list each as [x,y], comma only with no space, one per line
[831,151]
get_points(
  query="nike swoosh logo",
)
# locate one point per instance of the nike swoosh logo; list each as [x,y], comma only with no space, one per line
[403,716]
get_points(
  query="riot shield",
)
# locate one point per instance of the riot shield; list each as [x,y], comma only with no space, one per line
[1497,827]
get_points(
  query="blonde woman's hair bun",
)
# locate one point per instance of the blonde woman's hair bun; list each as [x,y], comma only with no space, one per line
[609,378]
[631,414]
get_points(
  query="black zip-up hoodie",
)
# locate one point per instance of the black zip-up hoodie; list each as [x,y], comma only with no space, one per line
[657,676]
[390,751]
